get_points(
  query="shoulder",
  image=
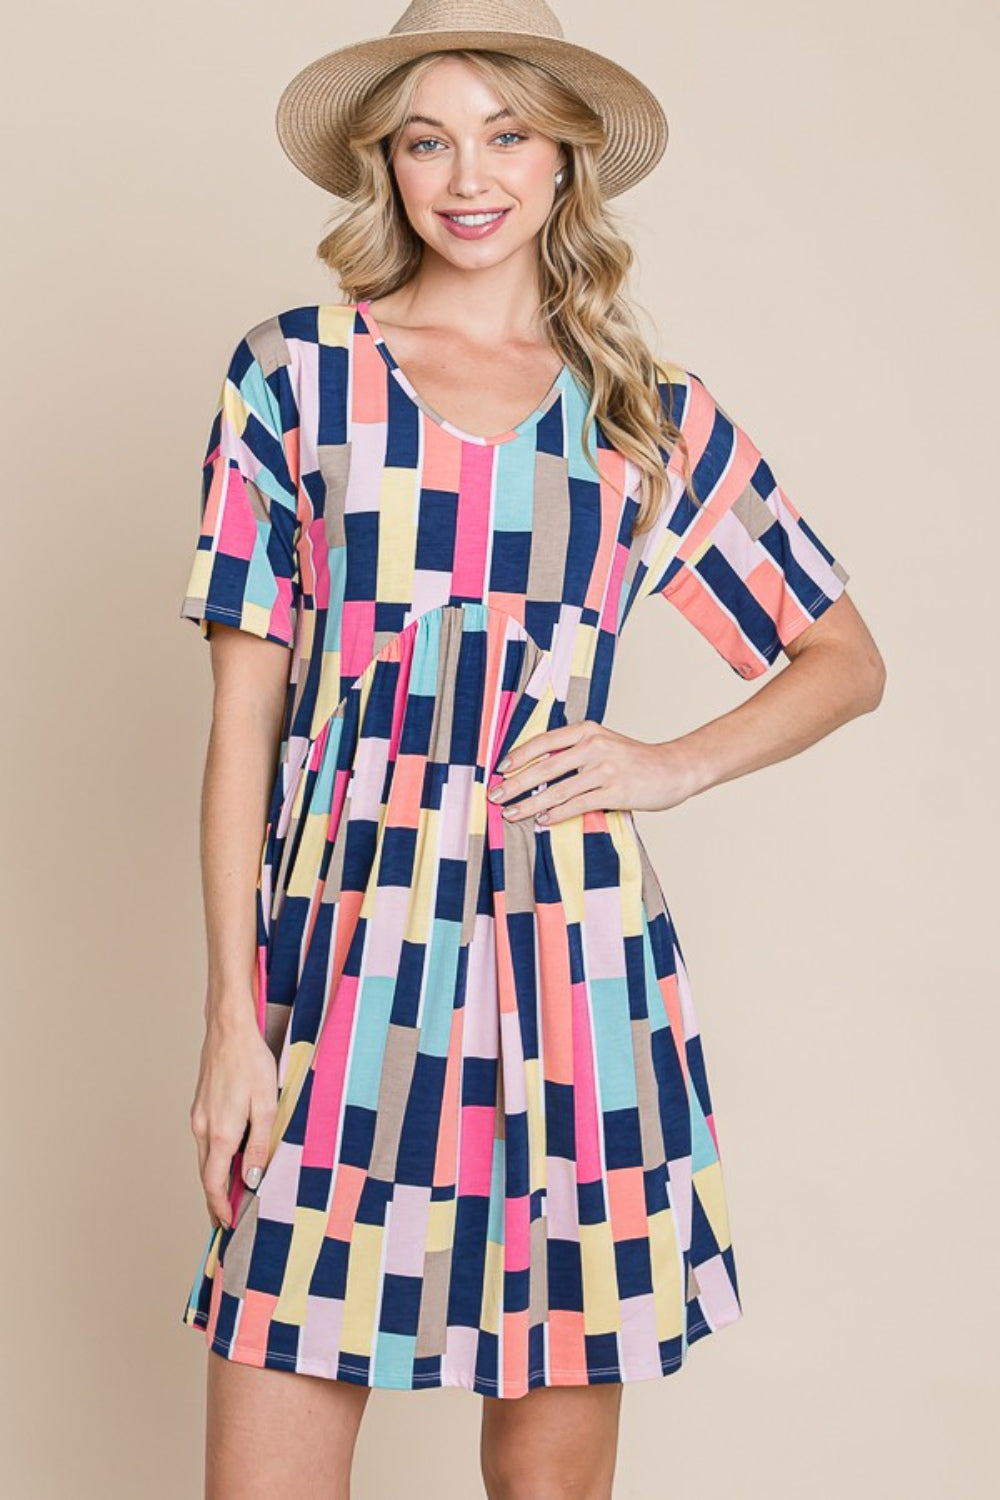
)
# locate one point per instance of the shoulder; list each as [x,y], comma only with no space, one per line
[683,394]
[271,342]
[709,429]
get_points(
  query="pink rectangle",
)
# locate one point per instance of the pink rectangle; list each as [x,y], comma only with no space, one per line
[561,1203]
[639,1351]
[604,948]
[238,532]
[279,1185]
[517,1234]
[319,1337]
[406,1235]
[357,636]
[330,1065]
[475,1166]
[716,1292]
[473,522]
[585,1109]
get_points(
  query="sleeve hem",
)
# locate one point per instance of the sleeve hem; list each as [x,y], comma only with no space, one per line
[201,614]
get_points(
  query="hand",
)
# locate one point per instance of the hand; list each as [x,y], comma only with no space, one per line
[610,770]
[237,1081]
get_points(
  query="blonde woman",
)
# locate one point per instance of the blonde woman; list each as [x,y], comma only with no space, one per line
[452,1115]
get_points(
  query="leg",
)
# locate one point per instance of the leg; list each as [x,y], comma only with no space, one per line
[278,1434]
[557,1441]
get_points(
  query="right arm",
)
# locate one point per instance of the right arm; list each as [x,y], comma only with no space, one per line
[237,1079]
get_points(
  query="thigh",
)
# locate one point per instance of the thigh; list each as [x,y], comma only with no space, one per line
[278,1434]
[555,1441]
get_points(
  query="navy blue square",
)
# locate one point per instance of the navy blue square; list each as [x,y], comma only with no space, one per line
[560,1124]
[565,1275]
[465,1290]
[399,847]
[375,1194]
[509,562]
[654,1181]
[357,1135]
[436,527]
[417,725]
[602,1357]
[634,1267]
[360,845]
[314,1187]
[622,1138]
[479,1080]
[449,899]
[591,1203]
[329,1277]
[409,981]
[269,1256]
[282,1342]
[417,1151]
[361,534]
[400,1306]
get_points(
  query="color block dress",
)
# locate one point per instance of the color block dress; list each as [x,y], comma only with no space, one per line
[494,1163]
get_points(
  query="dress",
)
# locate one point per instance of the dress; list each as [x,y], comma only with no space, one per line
[494,1163]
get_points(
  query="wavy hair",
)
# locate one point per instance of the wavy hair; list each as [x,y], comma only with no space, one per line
[584,261]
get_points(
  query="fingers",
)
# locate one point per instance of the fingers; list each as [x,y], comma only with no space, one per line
[584,792]
[257,1150]
[216,1148]
[215,1175]
[233,1115]
[541,768]
[570,798]
[548,743]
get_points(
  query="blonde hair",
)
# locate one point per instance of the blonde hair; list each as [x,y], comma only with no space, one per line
[584,261]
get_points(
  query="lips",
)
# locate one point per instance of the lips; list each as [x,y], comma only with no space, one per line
[473,217]
[473,224]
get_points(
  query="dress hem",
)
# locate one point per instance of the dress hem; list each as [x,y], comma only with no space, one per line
[479,1384]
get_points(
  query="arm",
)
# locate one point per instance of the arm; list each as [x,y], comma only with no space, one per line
[835,673]
[749,572]
[237,1076]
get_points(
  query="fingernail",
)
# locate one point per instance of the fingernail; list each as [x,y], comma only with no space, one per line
[253,1176]
[496,794]
[504,763]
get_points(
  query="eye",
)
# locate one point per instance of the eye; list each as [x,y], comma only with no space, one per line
[429,141]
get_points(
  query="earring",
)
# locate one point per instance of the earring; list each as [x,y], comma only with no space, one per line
[559,177]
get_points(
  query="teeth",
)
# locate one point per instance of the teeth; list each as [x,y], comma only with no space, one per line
[474,218]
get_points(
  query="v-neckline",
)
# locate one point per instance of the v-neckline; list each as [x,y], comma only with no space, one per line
[524,425]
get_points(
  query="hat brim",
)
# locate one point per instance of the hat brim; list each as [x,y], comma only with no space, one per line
[314,107]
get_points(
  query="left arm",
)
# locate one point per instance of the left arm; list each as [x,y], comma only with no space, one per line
[835,673]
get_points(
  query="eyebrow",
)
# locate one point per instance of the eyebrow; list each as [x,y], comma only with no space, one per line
[499,114]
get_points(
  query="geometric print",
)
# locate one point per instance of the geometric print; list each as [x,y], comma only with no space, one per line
[495,1162]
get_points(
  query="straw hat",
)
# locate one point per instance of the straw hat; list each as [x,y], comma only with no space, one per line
[315,107]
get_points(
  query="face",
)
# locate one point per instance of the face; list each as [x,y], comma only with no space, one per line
[462,153]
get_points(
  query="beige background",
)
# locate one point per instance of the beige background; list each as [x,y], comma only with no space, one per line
[819,245]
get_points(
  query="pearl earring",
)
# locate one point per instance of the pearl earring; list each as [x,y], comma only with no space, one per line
[559,177]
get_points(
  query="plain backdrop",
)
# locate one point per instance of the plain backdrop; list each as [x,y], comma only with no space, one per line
[818,244]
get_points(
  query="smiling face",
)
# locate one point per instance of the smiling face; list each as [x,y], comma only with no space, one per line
[477,182]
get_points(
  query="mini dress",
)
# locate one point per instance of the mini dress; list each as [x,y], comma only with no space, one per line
[495,1162]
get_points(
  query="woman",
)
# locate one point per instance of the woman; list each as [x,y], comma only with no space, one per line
[453,1121]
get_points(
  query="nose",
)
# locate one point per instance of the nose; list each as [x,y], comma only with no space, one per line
[469,176]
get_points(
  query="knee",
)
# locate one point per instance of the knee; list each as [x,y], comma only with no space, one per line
[508,1477]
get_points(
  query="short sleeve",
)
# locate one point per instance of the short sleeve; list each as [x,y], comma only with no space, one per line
[245,566]
[745,568]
